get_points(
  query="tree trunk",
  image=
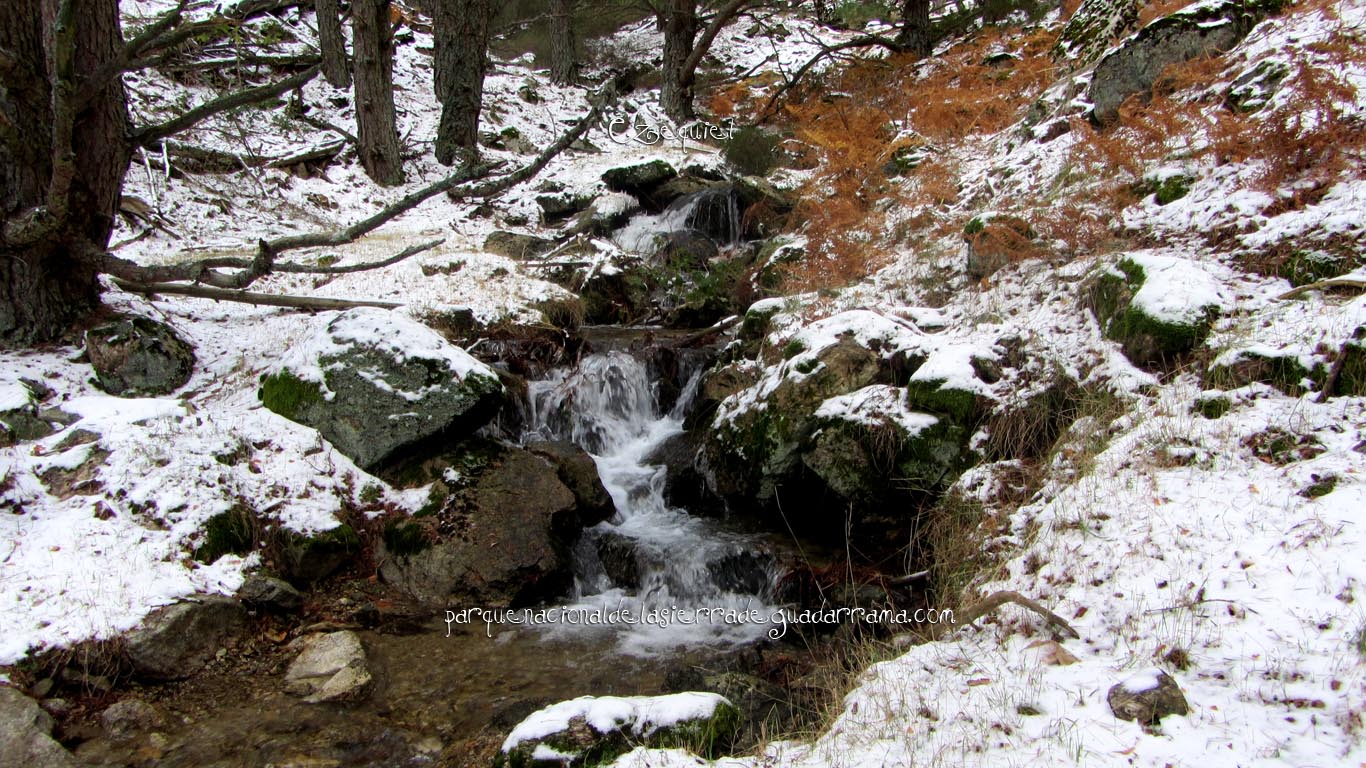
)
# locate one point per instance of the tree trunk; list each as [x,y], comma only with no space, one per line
[462,41]
[333,44]
[372,38]
[680,30]
[564,63]
[915,27]
[65,179]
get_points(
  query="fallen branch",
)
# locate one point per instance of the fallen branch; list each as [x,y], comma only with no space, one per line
[828,50]
[248,297]
[1332,282]
[997,599]
[148,136]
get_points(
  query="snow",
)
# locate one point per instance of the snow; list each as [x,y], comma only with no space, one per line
[1146,680]
[641,715]
[1176,290]
[874,406]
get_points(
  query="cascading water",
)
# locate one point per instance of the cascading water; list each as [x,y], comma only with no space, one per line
[706,580]
[713,213]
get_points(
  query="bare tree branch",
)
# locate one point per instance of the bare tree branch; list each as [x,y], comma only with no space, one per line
[703,44]
[997,599]
[148,136]
[148,34]
[248,297]
[828,50]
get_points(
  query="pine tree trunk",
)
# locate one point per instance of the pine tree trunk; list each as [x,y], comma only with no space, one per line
[564,64]
[372,39]
[50,282]
[332,43]
[462,41]
[680,31]
[915,27]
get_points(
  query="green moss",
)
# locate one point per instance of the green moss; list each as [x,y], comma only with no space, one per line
[975,226]
[405,538]
[287,394]
[371,493]
[1352,378]
[1212,407]
[1145,338]
[793,348]
[1321,486]
[807,366]
[232,532]
[1173,188]
[1284,372]
[1305,266]
[933,397]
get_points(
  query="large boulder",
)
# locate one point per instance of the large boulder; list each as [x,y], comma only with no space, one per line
[579,473]
[498,529]
[639,180]
[1089,32]
[1157,307]
[1201,29]
[137,356]
[177,641]
[378,385]
[26,734]
[593,730]
[330,667]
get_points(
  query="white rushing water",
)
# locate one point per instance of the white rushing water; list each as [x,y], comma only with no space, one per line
[697,583]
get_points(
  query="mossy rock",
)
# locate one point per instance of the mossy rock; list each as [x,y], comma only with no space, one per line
[1167,189]
[138,356]
[1201,29]
[638,179]
[392,387]
[1089,32]
[1308,266]
[1352,376]
[959,406]
[1212,407]
[1147,341]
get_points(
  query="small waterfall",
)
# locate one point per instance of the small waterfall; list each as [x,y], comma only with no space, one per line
[680,564]
[713,213]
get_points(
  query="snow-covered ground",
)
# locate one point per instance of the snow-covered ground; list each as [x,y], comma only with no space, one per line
[1182,545]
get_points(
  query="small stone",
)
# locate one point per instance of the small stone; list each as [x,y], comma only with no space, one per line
[265,593]
[43,688]
[25,733]
[124,719]
[1147,697]
[330,667]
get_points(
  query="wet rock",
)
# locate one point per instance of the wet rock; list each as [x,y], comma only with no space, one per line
[388,385]
[606,213]
[640,179]
[138,356]
[1199,30]
[593,730]
[687,249]
[25,734]
[177,641]
[266,593]
[516,245]
[764,708]
[685,485]
[579,473]
[124,719]
[1147,698]
[744,573]
[501,533]
[329,668]
[619,297]
[620,558]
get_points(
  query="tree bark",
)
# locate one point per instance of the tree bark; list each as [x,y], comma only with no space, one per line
[462,39]
[915,35]
[332,43]
[680,31]
[61,166]
[372,39]
[564,62]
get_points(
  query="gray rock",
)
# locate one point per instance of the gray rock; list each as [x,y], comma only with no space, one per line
[1147,698]
[270,594]
[577,470]
[329,668]
[513,527]
[308,559]
[25,734]
[1200,30]
[1089,32]
[177,641]
[138,356]
[639,179]
[25,422]
[124,719]
[393,384]
[620,558]
[561,205]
